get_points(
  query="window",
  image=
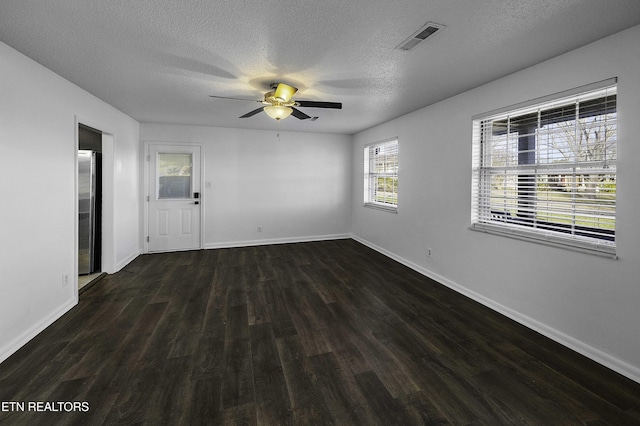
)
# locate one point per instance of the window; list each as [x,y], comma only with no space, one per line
[174,175]
[546,170]
[381,175]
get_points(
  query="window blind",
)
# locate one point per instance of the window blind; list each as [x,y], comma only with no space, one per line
[381,174]
[546,171]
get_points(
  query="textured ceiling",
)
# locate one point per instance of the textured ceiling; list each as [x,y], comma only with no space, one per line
[159,60]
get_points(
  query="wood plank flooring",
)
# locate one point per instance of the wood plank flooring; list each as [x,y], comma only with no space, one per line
[323,333]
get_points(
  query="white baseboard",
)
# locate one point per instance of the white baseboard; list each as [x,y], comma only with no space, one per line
[7,350]
[250,243]
[127,260]
[630,371]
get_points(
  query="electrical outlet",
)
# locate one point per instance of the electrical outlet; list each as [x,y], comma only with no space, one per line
[429,252]
[65,279]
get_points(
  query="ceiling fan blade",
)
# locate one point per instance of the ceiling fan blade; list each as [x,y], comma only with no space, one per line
[299,114]
[232,98]
[284,92]
[252,113]
[315,104]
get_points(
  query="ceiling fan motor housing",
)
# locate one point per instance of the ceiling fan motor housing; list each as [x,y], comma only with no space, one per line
[271,99]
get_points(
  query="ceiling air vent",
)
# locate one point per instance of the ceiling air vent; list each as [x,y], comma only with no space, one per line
[427,30]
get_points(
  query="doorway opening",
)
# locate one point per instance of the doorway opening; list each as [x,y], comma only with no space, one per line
[89,205]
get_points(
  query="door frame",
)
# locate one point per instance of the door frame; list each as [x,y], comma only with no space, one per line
[145,192]
[108,246]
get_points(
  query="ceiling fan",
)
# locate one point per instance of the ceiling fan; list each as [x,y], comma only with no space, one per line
[280,104]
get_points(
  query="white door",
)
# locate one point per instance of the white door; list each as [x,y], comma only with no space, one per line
[174,198]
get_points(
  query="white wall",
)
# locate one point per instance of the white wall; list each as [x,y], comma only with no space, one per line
[295,187]
[39,112]
[587,302]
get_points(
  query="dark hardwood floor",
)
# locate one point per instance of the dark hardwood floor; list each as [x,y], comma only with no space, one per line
[307,334]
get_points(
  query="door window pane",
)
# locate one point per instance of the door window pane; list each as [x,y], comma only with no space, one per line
[174,175]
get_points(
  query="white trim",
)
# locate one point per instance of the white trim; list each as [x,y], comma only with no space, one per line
[547,98]
[549,239]
[76,214]
[12,347]
[367,189]
[128,260]
[630,371]
[108,225]
[380,142]
[587,238]
[145,190]
[266,242]
[379,206]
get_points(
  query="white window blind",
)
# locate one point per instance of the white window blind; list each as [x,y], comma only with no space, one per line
[381,175]
[546,170]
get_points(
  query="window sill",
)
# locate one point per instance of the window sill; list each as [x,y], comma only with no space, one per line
[604,250]
[383,207]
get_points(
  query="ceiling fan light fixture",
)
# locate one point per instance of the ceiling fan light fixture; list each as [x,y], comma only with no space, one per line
[278,112]
[279,103]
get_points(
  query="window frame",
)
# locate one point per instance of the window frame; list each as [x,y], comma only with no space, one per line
[530,174]
[370,175]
